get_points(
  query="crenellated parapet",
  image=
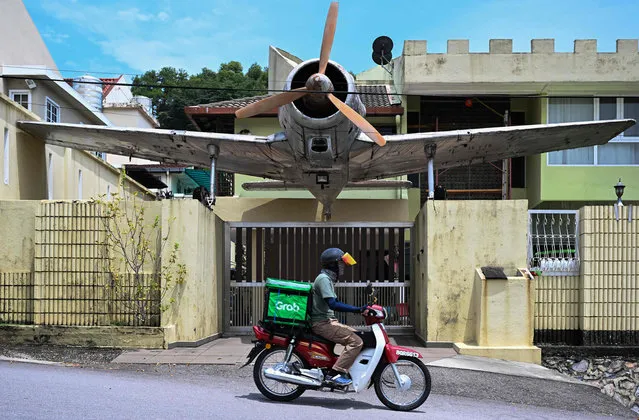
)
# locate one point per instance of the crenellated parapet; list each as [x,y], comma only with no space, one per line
[537,46]
[585,70]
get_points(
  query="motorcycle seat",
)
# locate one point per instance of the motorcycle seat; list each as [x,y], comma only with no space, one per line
[317,338]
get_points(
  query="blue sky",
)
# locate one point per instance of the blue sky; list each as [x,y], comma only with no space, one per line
[131,36]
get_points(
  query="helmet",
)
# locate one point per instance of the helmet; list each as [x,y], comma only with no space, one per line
[331,256]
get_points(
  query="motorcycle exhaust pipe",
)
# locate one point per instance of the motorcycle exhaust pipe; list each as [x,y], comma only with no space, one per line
[294,379]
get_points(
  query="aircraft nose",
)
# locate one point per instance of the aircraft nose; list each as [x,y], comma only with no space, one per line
[319,83]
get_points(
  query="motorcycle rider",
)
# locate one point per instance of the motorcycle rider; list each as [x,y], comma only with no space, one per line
[323,320]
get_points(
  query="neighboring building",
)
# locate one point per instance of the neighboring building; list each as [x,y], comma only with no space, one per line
[459,89]
[31,81]
[125,110]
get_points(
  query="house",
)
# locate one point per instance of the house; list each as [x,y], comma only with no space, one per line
[31,88]
[125,110]
[459,89]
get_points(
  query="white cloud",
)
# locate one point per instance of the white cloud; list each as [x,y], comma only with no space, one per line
[134,14]
[157,36]
[53,36]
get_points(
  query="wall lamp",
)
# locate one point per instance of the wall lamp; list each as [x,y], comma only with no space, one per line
[619,189]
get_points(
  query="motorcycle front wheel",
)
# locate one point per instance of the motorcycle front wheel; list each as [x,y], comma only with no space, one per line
[412,394]
[270,388]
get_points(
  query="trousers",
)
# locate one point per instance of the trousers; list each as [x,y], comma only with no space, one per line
[342,334]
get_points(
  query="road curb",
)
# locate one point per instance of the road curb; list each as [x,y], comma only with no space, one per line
[35,362]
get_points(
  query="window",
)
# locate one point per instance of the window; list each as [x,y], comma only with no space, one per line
[622,150]
[553,242]
[22,97]
[53,111]
[571,110]
[6,156]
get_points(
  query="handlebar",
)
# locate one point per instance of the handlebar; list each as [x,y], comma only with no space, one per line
[372,293]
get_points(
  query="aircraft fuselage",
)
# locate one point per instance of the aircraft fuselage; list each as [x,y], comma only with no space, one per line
[320,137]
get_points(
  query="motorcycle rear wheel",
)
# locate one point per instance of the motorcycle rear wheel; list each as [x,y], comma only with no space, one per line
[272,389]
[395,399]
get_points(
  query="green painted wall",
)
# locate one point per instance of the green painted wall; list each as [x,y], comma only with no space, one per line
[587,183]
[258,126]
[533,179]
[572,185]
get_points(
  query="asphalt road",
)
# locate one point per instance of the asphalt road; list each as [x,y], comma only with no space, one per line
[32,391]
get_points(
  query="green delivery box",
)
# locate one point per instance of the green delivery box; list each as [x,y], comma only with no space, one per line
[287,302]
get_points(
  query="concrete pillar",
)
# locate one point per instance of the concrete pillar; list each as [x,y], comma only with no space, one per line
[500,46]
[458,46]
[415,48]
[585,46]
[542,46]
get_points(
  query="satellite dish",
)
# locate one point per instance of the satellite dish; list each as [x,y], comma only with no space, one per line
[382,50]
[382,59]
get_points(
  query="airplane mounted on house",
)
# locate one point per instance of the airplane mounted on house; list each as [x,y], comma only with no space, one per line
[326,144]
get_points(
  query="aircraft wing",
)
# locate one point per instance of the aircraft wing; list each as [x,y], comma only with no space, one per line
[247,154]
[406,153]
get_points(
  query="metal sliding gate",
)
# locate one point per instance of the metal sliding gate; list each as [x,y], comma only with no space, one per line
[256,251]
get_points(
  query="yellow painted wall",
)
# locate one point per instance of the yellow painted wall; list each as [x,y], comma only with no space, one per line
[456,237]
[197,310]
[17,233]
[98,177]
[29,160]
[309,210]
[503,311]
[27,173]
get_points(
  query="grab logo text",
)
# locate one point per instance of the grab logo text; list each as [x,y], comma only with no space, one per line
[287,306]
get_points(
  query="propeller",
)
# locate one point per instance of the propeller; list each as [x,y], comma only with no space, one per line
[317,84]
[329,35]
[271,102]
[358,120]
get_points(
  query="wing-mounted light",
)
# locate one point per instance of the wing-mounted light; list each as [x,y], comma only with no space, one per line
[316,96]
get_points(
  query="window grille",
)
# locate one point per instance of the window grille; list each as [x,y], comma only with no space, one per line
[225,184]
[553,242]
[53,111]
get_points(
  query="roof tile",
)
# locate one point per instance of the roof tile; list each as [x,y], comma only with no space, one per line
[372,96]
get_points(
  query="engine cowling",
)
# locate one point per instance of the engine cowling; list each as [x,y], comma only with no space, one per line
[315,109]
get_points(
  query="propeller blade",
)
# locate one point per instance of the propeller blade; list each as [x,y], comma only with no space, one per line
[271,102]
[329,34]
[358,120]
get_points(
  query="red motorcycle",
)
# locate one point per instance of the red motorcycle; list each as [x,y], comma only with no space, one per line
[292,361]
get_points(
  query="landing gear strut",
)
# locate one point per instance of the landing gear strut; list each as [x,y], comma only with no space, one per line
[214,152]
[430,155]
[326,214]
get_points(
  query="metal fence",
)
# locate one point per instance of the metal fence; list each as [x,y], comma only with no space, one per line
[257,251]
[247,304]
[16,298]
[291,251]
[69,285]
[553,242]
